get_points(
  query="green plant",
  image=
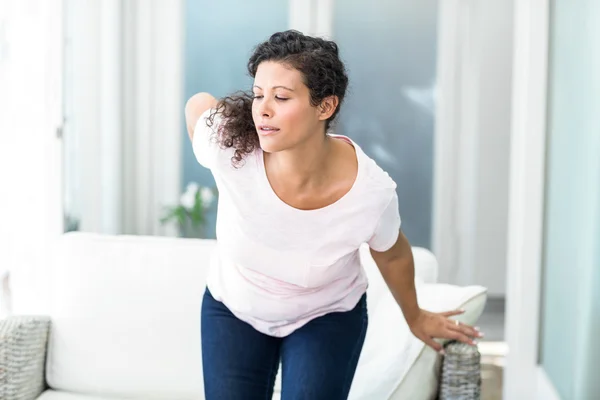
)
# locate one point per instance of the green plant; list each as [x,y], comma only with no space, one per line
[192,207]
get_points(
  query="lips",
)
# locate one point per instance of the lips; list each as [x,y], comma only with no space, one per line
[267,129]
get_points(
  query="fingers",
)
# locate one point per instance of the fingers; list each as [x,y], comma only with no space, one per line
[433,344]
[462,333]
[465,329]
[461,337]
[452,313]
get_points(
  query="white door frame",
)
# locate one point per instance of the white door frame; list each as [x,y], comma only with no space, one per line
[55,70]
[523,376]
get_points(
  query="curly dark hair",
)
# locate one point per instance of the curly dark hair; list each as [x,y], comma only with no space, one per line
[323,72]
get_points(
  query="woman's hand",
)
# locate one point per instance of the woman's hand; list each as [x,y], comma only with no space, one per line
[427,326]
[195,107]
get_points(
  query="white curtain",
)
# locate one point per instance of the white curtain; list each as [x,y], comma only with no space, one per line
[124,108]
[472,142]
[153,101]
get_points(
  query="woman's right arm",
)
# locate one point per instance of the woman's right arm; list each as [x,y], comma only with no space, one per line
[195,107]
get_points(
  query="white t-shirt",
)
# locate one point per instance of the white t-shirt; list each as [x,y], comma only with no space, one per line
[277,267]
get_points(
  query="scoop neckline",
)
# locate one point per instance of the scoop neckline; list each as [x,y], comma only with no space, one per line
[276,199]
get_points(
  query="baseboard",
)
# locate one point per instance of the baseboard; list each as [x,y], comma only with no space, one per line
[545,390]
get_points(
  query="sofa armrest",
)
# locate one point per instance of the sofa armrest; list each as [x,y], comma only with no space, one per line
[461,372]
[23,341]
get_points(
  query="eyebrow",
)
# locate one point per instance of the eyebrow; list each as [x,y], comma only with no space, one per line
[276,87]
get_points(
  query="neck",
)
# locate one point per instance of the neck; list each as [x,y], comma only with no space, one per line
[304,165]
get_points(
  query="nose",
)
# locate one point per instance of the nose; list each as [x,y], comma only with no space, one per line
[264,108]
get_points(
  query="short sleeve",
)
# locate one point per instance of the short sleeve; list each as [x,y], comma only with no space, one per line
[204,141]
[388,227]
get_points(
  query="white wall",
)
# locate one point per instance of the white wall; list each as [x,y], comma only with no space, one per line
[30,174]
[472,142]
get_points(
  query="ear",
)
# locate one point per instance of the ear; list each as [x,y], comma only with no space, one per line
[328,107]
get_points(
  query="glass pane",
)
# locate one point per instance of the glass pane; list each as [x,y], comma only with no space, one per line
[220,37]
[570,301]
[390,50]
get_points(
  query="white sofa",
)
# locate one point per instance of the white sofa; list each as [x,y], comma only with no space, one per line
[125,324]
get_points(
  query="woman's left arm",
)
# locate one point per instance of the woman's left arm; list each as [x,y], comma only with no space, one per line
[398,270]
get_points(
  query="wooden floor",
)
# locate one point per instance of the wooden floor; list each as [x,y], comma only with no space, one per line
[491,381]
[493,349]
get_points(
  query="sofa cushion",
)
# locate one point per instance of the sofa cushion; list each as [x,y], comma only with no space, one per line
[60,395]
[126,316]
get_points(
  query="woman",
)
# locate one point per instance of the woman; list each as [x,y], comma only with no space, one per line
[295,205]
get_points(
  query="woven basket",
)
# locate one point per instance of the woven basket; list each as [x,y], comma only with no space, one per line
[461,372]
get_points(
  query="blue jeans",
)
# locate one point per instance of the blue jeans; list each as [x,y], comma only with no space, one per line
[318,360]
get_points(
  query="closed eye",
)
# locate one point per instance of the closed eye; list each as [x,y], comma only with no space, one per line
[257,97]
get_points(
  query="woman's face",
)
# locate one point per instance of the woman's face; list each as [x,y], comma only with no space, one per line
[282,112]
